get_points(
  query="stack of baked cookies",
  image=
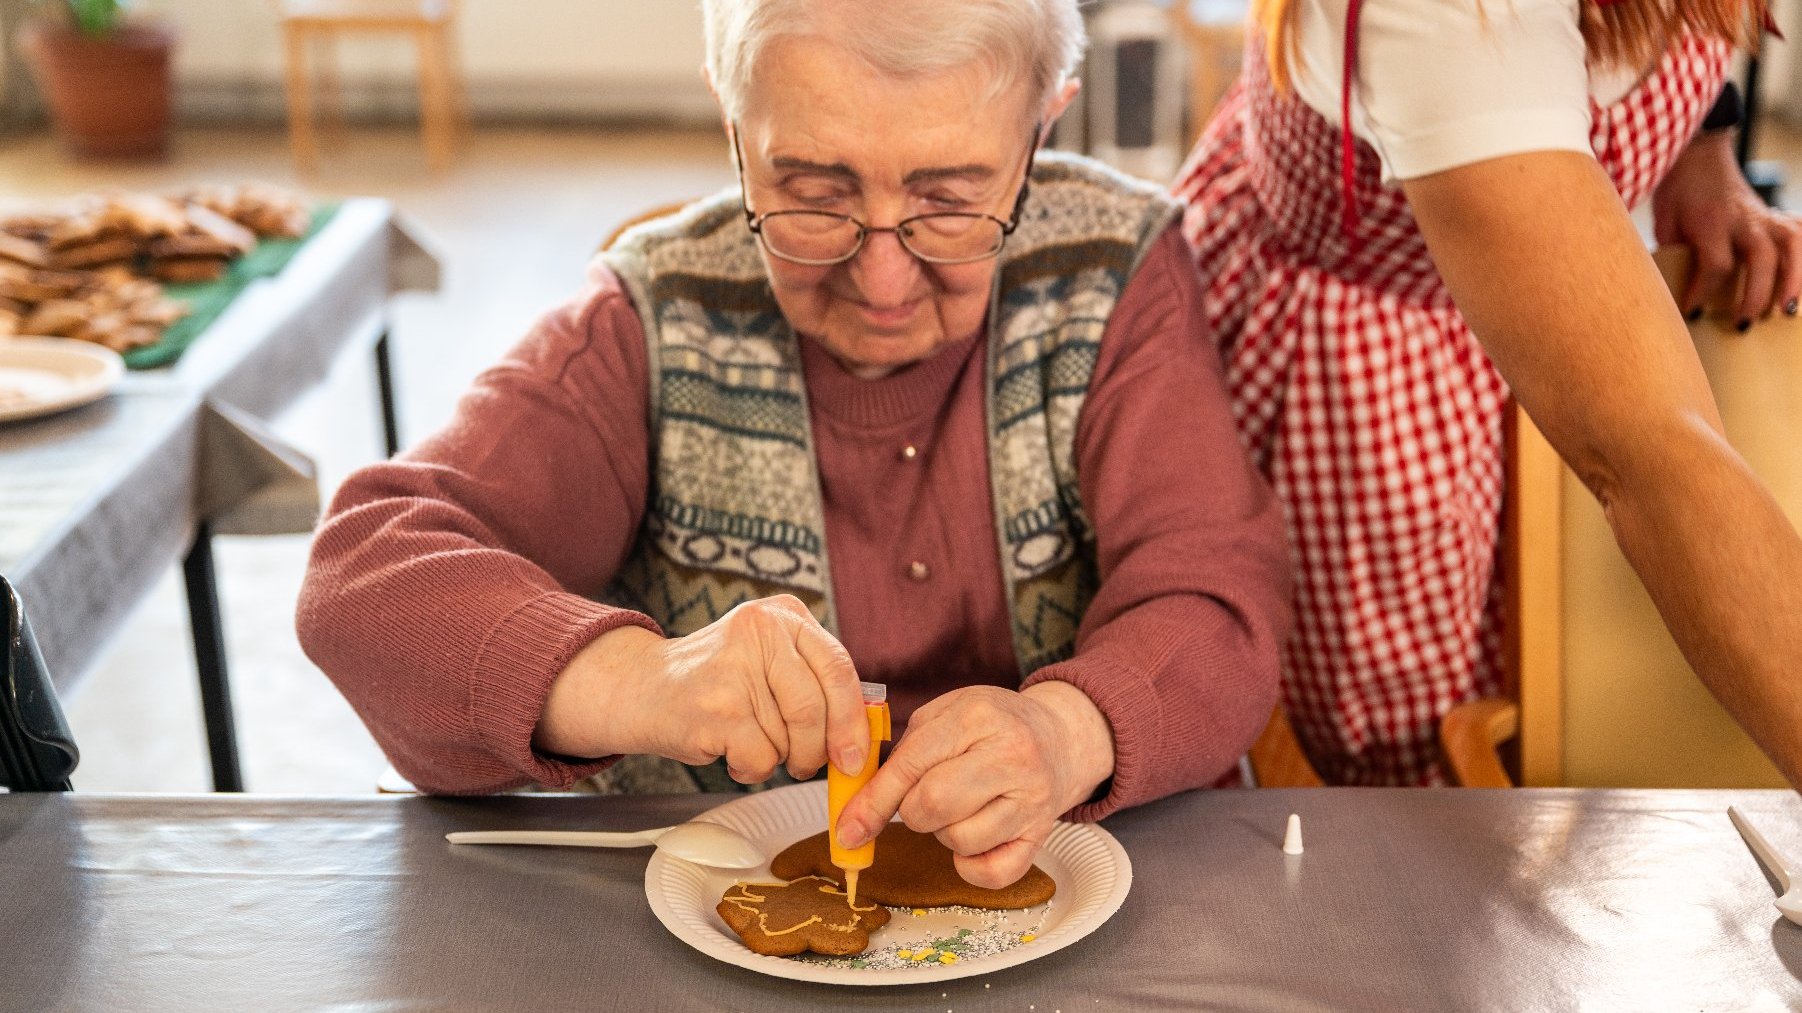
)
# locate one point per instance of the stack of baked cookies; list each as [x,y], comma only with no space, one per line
[92,272]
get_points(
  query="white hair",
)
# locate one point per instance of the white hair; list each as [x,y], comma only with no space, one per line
[1038,42]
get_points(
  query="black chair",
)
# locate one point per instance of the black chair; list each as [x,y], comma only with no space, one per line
[37,751]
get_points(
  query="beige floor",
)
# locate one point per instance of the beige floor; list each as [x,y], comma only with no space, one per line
[514,222]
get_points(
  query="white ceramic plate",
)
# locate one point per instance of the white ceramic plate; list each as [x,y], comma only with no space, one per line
[1090,868]
[41,376]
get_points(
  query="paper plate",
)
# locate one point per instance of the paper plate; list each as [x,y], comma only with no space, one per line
[42,376]
[1090,868]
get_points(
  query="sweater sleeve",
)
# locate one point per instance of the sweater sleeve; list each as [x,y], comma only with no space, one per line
[1179,648]
[447,588]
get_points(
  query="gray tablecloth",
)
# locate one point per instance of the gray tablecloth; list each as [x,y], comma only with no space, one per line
[95,504]
[1530,899]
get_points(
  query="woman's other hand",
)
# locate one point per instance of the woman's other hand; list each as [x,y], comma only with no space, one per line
[764,684]
[988,771]
[1706,205]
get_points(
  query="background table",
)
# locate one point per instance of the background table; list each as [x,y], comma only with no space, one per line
[1405,899]
[99,502]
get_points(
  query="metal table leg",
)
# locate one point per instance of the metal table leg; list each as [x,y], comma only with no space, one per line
[384,378]
[209,661]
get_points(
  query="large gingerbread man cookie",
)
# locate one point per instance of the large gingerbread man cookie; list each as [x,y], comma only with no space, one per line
[811,913]
[911,870]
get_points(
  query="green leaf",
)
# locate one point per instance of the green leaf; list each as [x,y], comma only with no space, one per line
[95,17]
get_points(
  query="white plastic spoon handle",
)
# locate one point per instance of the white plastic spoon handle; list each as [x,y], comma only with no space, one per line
[565,838]
[1771,857]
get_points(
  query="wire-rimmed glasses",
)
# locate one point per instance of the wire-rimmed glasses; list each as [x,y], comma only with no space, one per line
[821,238]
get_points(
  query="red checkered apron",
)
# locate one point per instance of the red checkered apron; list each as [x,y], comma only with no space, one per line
[1373,411]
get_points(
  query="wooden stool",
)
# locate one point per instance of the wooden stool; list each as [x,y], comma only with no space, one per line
[317,25]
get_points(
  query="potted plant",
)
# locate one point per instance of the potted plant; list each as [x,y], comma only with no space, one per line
[104,76]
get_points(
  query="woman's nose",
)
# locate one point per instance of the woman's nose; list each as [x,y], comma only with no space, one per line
[884,271]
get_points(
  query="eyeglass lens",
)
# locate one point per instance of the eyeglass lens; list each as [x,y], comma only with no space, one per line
[819,236]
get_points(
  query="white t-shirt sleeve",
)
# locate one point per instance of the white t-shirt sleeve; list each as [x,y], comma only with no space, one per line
[1444,83]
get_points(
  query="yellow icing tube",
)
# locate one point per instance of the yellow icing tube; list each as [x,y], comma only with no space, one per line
[840,787]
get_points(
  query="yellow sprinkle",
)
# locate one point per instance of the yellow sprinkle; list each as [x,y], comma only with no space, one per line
[923,954]
[919,912]
[904,954]
[1028,937]
[947,958]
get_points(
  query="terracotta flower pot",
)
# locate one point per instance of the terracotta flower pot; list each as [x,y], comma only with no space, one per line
[108,96]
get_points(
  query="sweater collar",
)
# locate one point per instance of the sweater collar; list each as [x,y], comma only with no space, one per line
[907,395]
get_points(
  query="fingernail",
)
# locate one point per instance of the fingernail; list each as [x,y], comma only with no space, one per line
[1790,307]
[851,834]
[851,761]
[1693,315]
[1743,326]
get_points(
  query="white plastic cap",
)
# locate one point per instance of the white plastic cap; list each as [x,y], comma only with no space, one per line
[1292,836]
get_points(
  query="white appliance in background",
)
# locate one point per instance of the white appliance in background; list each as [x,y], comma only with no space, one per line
[1134,82]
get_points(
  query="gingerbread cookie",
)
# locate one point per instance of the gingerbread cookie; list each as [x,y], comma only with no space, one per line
[188,269]
[812,913]
[21,251]
[912,870]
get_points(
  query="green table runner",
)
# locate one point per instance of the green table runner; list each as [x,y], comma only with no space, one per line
[206,300]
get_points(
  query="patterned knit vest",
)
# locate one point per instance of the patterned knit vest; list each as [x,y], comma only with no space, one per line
[734,510]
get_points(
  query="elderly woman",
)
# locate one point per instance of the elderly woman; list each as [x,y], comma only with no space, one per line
[911,405]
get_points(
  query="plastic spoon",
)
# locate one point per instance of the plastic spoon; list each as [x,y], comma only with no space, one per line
[1791,901]
[701,843]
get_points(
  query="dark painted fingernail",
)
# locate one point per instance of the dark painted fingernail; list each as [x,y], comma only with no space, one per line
[1693,315]
[1743,326]
[1790,307]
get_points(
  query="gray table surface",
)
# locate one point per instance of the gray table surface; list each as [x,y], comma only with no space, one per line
[96,503]
[1447,899]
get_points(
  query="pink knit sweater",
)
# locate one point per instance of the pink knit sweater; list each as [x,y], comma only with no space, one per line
[447,588]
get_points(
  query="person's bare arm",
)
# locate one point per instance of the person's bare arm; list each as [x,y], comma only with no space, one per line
[1541,257]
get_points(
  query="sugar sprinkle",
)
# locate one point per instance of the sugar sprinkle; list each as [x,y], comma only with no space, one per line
[983,933]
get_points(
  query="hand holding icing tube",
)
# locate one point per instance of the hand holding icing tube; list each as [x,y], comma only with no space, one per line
[841,786]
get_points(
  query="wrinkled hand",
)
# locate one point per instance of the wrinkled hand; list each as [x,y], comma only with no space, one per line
[988,771]
[1706,204]
[764,684]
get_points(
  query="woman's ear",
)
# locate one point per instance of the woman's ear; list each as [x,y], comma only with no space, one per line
[712,89]
[1060,101]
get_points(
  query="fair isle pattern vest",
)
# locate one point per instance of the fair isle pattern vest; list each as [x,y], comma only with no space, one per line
[734,509]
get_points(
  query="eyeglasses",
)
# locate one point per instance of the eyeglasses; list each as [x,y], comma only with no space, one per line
[820,238]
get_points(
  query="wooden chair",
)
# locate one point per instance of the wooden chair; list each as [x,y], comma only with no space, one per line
[1276,758]
[640,218]
[1631,675]
[311,29]
[37,750]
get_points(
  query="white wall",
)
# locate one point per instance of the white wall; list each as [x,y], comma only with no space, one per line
[522,58]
